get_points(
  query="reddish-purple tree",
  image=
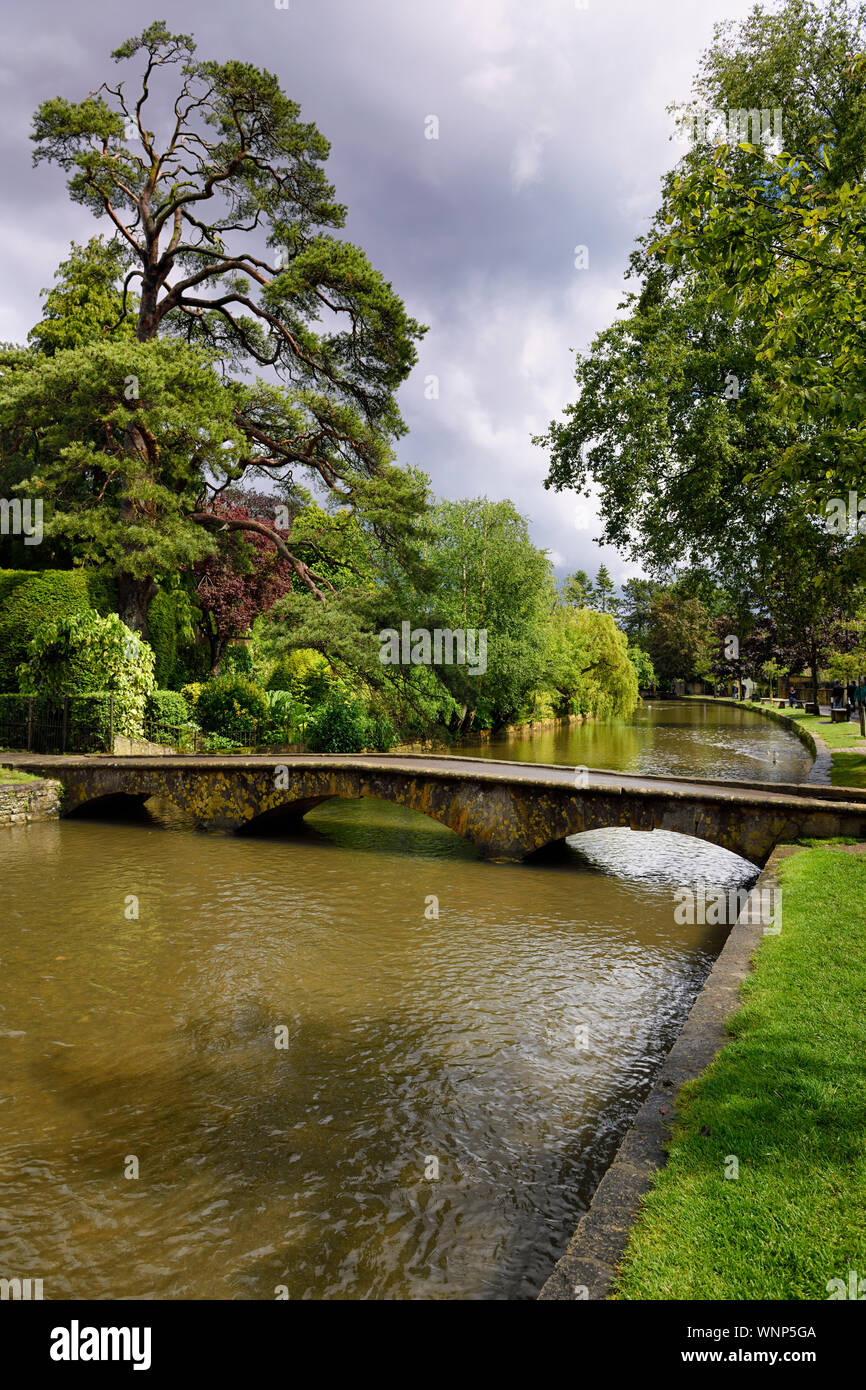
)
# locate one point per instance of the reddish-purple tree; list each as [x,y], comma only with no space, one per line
[245,577]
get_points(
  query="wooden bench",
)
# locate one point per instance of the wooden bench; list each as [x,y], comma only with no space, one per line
[838,716]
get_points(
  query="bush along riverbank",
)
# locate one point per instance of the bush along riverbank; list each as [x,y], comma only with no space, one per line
[764,1192]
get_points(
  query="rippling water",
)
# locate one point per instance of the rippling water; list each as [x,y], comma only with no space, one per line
[431,1129]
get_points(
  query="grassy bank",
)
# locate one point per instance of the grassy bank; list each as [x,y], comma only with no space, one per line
[9,777]
[787,1099]
[849,767]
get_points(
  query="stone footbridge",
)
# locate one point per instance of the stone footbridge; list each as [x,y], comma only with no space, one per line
[508,810]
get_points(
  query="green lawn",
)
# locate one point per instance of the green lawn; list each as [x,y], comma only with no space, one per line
[787,1099]
[9,775]
[834,735]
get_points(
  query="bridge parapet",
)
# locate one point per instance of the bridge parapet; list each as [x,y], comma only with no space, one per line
[507,810]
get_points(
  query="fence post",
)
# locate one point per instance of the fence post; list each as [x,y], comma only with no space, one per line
[30,725]
[65,729]
[111,722]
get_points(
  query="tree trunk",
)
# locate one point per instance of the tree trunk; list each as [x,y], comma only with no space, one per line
[466,721]
[217,648]
[133,597]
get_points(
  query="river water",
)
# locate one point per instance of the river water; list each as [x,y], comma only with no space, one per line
[258,1067]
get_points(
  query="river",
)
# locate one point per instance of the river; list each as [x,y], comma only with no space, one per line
[262,1066]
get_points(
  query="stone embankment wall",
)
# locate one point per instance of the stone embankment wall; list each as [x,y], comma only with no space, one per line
[21,802]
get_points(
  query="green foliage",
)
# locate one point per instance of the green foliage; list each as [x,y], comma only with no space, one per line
[284,706]
[380,733]
[85,305]
[29,598]
[85,652]
[191,693]
[587,665]
[219,743]
[340,726]
[577,589]
[232,706]
[642,663]
[682,640]
[167,707]
[725,400]
[171,633]
[781,233]
[238,660]
[489,576]
[9,581]
[120,466]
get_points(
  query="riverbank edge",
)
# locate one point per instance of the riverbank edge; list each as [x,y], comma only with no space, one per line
[22,802]
[815,744]
[587,1270]
[511,731]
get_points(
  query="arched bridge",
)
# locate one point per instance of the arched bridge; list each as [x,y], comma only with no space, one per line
[508,810]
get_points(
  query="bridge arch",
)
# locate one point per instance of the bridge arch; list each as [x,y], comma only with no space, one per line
[506,811]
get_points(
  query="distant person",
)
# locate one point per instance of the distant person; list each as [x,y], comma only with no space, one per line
[836,696]
[791,697]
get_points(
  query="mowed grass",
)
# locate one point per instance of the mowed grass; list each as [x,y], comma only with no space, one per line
[787,1099]
[849,770]
[834,735]
[9,775]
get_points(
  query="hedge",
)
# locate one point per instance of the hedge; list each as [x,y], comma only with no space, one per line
[29,597]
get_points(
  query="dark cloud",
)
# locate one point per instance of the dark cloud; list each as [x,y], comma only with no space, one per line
[552,132]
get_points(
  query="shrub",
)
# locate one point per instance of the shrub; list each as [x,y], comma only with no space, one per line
[338,726]
[29,598]
[167,707]
[380,733]
[191,693]
[232,705]
[215,743]
[9,581]
[237,661]
[84,653]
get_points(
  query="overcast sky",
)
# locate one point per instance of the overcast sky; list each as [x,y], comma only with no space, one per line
[552,133]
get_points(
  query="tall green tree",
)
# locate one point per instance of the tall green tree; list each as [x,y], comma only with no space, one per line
[682,637]
[604,592]
[236,167]
[577,590]
[487,575]
[85,304]
[720,409]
